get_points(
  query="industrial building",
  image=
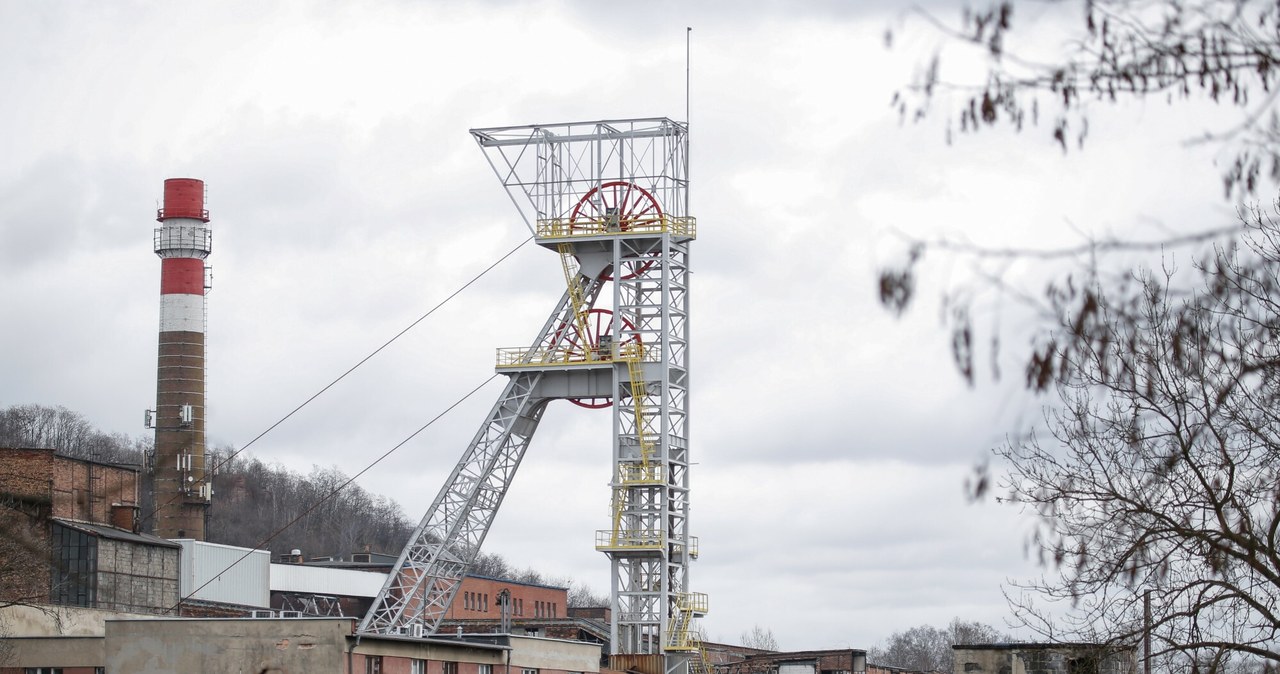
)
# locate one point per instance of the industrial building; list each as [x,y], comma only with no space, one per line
[82,515]
[327,645]
[95,592]
[132,644]
[1044,658]
[332,586]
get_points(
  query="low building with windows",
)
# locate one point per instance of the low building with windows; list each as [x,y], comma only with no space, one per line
[329,645]
[842,661]
[1042,658]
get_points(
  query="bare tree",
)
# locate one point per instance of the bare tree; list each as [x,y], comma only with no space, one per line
[68,433]
[1159,468]
[1224,51]
[491,565]
[925,648]
[255,504]
[1173,51]
[759,637]
[582,596]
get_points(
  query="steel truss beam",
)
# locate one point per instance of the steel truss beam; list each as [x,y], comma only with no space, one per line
[447,540]
[571,183]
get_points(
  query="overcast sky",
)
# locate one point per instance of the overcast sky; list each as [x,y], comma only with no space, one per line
[832,440]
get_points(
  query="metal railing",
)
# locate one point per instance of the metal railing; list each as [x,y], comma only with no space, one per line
[640,473]
[183,238]
[562,228]
[693,547]
[694,602]
[561,355]
[645,539]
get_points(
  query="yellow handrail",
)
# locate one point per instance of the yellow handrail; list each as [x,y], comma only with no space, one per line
[560,228]
[560,355]
[576,301]
[644,539]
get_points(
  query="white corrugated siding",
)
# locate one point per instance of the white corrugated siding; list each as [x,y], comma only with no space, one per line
[321,580]
[213,572]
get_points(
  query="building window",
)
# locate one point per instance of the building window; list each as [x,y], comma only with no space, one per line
[526,670]
[417,666]
[449,667]
[42,670]
[75,573]
[486,602]
[485,669]
[373,664]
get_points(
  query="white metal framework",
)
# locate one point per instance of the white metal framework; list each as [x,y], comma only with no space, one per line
[611,199]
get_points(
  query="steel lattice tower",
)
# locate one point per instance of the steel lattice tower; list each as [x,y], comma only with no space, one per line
[610,198]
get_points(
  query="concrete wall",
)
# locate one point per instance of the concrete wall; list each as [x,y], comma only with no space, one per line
[48,621]
[397,651]
[136,578]
[554,655]
[67,653]
[1042,659]
[230,645]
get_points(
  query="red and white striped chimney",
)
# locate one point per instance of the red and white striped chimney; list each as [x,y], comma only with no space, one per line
[182,241]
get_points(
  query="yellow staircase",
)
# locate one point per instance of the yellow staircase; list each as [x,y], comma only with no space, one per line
[680,637]
[579,304]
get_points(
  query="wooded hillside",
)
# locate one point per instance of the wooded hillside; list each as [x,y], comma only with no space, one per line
[253,501]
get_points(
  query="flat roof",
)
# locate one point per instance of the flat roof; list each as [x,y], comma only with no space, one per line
[517,582]
[1032,645]
[113,533]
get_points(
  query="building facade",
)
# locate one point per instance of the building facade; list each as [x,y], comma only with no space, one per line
[71,538]
[1038,658]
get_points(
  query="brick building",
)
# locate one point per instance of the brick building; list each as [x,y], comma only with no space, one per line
[838,661]
[330,586]
[71,536]
[477,599]
[1044,658]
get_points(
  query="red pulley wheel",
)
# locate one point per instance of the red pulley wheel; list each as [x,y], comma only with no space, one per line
[599,324]
[621,206]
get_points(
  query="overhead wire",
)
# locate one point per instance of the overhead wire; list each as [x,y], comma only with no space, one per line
[376,461]
[334,492]
[208,473]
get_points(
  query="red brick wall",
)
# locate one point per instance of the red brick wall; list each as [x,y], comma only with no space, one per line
[24,551]
[79,490]
[27,473]
[84,490]
[527,601]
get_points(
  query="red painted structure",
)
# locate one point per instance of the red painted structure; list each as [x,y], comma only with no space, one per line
[182,241]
